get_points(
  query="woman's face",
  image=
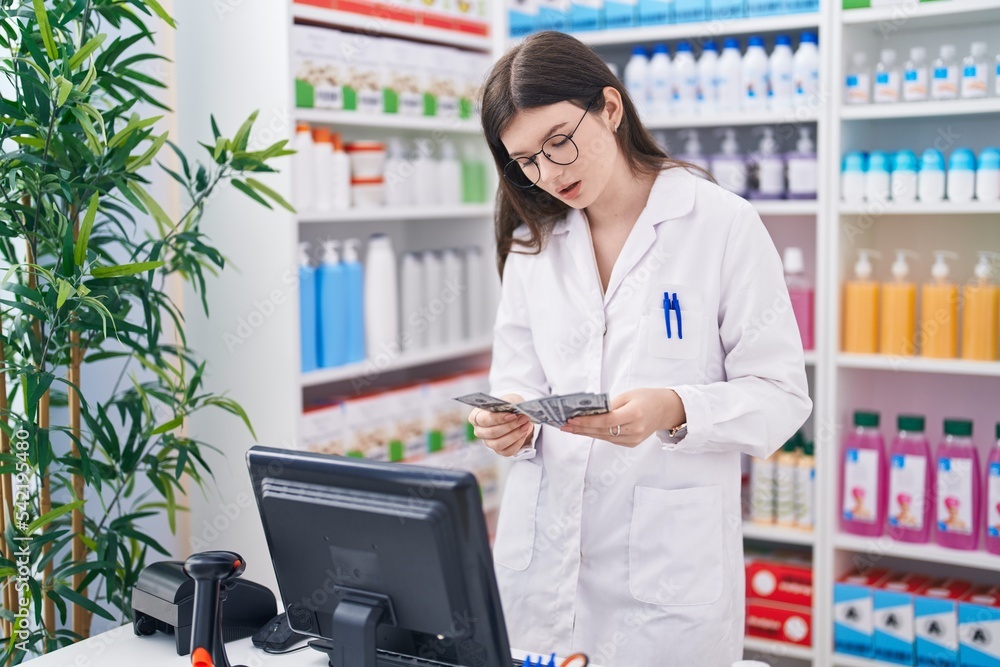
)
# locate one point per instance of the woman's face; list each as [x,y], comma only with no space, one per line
[578,184]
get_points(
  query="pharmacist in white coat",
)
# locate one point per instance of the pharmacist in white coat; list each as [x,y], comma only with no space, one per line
[620,535]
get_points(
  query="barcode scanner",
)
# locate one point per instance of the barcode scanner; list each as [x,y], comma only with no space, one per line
[210,570]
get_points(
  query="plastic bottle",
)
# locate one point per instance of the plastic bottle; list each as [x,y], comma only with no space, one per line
[476,308]
[474,185]
[961,182]
[904,176]
[770,168]
[878,181]
[781,90]
[304,175]
[975,70]
[692,150]
[859,80]
[981,312]
[454,306]
[354,281]
[853,177]
[661,81]
[754,75]
[800,290]
[911,482]
[425,173]
[637,79]
[340,175]
[899,309]
[996,76]
[861,307]
[988,175]
[685,79]
[915,76]
[805,492]
[805,71]
[944,74]
[931,179]
[307,311]
[729,167]
[730,76]
[763,491]
[449,175]
[381,298]
[411,291]
[863,478]
[434,295]
[332,300]
[887,79]
[398,176]
[323,169]
[958,493]
[992,494]
[803,168]
[786,476]
[939,311]
[708,78]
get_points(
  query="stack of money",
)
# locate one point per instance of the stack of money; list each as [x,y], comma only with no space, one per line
[551,410]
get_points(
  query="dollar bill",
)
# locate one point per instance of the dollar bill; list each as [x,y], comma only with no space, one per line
[487,402]
[552,410]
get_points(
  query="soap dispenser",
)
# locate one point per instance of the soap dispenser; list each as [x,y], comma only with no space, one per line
[307,311]
[939,311]
[899,309]
[729,167]
[861,307]
[692,150]
[331,296]
[981,311]
[769,167]
[354,281]
[803,168]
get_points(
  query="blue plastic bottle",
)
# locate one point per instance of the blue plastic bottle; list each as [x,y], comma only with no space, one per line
[307,310]
[355,309]
[332,301]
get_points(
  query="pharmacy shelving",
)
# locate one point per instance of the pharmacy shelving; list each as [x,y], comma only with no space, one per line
[789,207]
[721,27]
[810,357]
[732,119]
[840,660]
[388,121]
[933,108]
[919,365]
[914,15]
[778,535]
[921,208]
[752,646]
[414,213]
[886,547]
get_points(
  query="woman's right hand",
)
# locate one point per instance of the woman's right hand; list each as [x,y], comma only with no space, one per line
[503,432]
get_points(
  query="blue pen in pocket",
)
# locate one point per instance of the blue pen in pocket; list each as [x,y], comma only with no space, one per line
[672,303]
[667,307]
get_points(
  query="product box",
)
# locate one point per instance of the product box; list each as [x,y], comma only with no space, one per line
[369,423]
[791,624]
[445,80]
[853,623]
[689,11]
[780,581]
[726,9]
[586,15]
[892,605]
[979,628]
[408,430]
[935,612]
[323,429]
[620,14]
[522,16]
[765,7]
[656,12]
[800,6]
[318,70]
[553,15]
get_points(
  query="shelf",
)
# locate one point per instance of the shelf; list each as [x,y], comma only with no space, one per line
[776,649]
[388,121]
[778,535]
[730,119]
[914,16]
[406,360]
[810,356]
[885,546]
[917,208]
[841,660]
[919,365]
[412,213]
[932,108]
[785,207]
[661,33]
[381,26]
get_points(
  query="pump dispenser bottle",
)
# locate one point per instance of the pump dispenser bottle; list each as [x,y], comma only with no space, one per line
[729,167]
[307,311]
[332,299]
[939,311]
[770,167]
[899,309]
[354,281]
[803,168]
[981,312]
[692,150]
[861,307]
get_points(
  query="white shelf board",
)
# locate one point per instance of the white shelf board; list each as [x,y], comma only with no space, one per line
[913,15]
[841,660]
[919,365]
[777,649]
[810,356]
[406,360]
[730,119]
[785,207]
[340,19]
[660,33]
[932,108]
[777,534]
[885,546]
[389,121]
[411,213]
[918,208]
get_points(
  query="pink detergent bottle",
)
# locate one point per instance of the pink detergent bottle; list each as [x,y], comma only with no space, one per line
[863,478]
[910,487]
[993,498]
[958,491]
[800,291]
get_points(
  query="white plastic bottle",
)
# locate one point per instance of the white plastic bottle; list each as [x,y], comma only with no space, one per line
[475,294]
[887,78]
[996,76]
[381,299]
[411,289]
[425,173]
[340,176]
[398,174]
[730,76]
[805,71]
[454,305]
[708,79]
[988,175]
[303,171]
[323,169]
[803,168]
[915,76]
[685,80]
[729,167]
[878,183]
[961,175]
[637,79]
[931,179]
[852,177]
[944,74]
[754,75]
[781,93]
[434,298]
[692,150]
[858,86]
[661,81]
[904,176]
[975,70]
[770,168]
[449,175]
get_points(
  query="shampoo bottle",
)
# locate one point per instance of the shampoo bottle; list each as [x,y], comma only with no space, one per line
[398,175]
[899,309]
[730,75]
[863,476]
[992,494]
[477,322]
[692,150]
[754,75]
[770,168]
[412,316]
[454,286]
[354,281]
[661,81]
[685,71]
[332,298]
[340,175]
[449,175]
[981,312]
[911,486]
[958,491]
[303,169]
[434,295]
[861,308]
[781,87]
[381,298]
[323,169]
[708,78]
[800,290]
[939,311]
[729,167]
[307,311]
[803,168]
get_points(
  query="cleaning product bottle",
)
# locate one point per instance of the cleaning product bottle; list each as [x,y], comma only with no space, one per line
[887,80]
[708,78]
[915,76]
[354,282]
[853,177]
[803,168]
[861,307]
[307,311]
[381,298]
[931,179]
[763,491]
[878,182]
[425,173]
[805,71]
[332,299]
[661,81]
[475,295]
[685,79]
[992,494]
[398,174]
[413,319]
[944,74]
[996,76]
[863,475]
[434,295]
[981,312]
[899,309]
[975,69]
[911,485]
[805,494]
[786,476]
[637,79]
[454,284]
[729,167]
[781,91]
[939,311]
[988,175]
[754,75]
[340,175]
[323,169]
[800,290]
[770,168]
[304,174]
[692,150]
[961,180]
[859,80]
[449,175]
[730,76]
[958,492]
[904,177]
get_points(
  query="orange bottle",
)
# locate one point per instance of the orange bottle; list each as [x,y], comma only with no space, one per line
[939,311]
[861,308]
[981,313]
[899,310]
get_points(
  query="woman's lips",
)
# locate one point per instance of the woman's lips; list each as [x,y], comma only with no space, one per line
[571,191]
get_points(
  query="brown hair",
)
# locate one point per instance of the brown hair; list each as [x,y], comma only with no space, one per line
[548,68]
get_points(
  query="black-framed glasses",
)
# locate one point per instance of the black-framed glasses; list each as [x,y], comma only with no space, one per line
[560,149]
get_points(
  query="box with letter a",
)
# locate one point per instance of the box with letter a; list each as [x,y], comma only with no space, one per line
[853,624]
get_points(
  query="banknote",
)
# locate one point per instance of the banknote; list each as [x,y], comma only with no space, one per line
[552,410]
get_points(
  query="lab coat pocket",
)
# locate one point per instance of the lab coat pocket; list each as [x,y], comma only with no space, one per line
[675,546]
[515,539]
[653,329]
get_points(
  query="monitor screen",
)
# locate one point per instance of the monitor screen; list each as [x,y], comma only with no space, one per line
[408,544]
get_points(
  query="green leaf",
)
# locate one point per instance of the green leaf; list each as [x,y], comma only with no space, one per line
[158,9]
[137,163]
[46,519]
[124,269]
[89,79]
[257,185]
[83,238]
[168,426]
[231,406]
[65,88]
[92,45]
[163,222]
[65,291]
[244,132]
[81,601]
[248,191]
[45,29]
[220,147]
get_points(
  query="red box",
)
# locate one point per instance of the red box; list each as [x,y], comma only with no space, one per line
[908,582]
[787,582]
[788,623]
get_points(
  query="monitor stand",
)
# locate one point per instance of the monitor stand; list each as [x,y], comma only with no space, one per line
[355,621]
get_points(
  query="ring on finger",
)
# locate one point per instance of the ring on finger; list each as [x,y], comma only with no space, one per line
[617,430]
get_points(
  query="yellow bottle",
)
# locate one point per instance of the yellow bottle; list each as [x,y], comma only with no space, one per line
[861,308]
[981,313]
[939,312]
[899,310]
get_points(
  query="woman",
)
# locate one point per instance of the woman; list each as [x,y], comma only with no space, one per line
[624,272]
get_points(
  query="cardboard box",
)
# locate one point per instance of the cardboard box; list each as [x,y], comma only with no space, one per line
[979,628]
[553,15]
[765,7]
[726,9]
[656,12]
[586,15]
[780,581]
[522,16]
[690,11]
[892,605]
[935,612]
[791,624]
[853,622]
[621,14]
[323,429]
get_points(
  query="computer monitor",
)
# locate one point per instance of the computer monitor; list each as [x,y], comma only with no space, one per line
[389,563]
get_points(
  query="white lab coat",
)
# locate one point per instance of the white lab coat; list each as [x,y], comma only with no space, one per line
[635,555]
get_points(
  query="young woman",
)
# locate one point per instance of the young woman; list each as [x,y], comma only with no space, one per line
[624,272]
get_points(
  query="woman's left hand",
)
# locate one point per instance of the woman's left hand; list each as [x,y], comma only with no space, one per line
[634,416]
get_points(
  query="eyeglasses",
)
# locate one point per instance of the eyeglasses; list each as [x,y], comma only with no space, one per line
[560,149]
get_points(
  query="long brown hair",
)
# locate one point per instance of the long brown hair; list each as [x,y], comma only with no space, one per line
[548,68]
